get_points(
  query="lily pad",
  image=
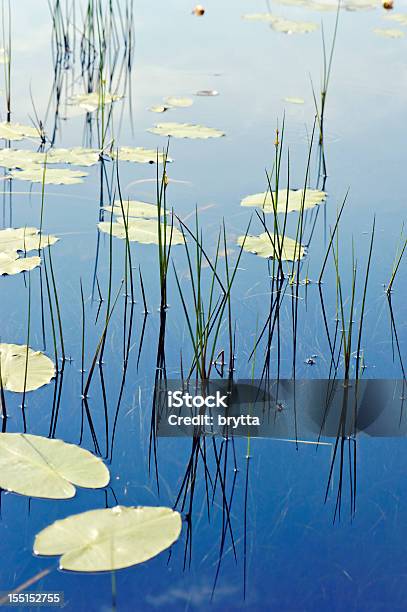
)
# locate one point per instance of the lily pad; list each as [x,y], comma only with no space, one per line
[295,200]
[178,102]
[24,239]
[141,155]
[16,131]
[263,246]
[311,4]
[158,109]
[77,156]
[4,57]
[90,102]
[109,539]
[280,24]
[11,263]
[185,130]
[53,176]
[293,100]
[43,467]
[23,159]
[389,33]
[400,18]
[133,208]
[141,230]
[15,360]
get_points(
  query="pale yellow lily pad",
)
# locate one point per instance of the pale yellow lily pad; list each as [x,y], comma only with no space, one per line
[158,109]
[185,130]
[134,208]
[389,33]
[264,245]
[4,57]
[16,131]
[141,155]
[14,359]
[53,176]
[178,102]
[109,539]
[20,158]
[77,156]
[11,263]
[400,18]
[281,24]
[90,102]
[297,200]
[293,100]
[24,239]
[44,467]
[141,230]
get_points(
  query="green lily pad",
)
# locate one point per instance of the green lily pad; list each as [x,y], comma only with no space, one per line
[185,130]
[43,467]
[109,539]
[389,33]
[296,200]
[400,18]
[53,176]
[90,102]
[16,131]
[178,102]
[293,100]
[24,239]
[280,24]
[159,109]
[134,208]
[11,263]
[141,230]
[141,155]
[77,156]
[23,159]
[263,246]
[15,360]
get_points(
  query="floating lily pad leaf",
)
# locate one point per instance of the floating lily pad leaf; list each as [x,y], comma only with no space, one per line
[389,33]
[53,176]
[16,131]
[185,130]
[263,247]
[207,92]
[78,156]
[11,264]
[109,539]
[283,25]
[361,5]
[23,159]
[294,100]
[44,467]
[134,208]
[40,368]
[141,155]
[3,56]
[295,200]
[311,4]
[24,239]
[158,109]
[178,102]
[287,26]
[401,18]
[141,230]
[90,102]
